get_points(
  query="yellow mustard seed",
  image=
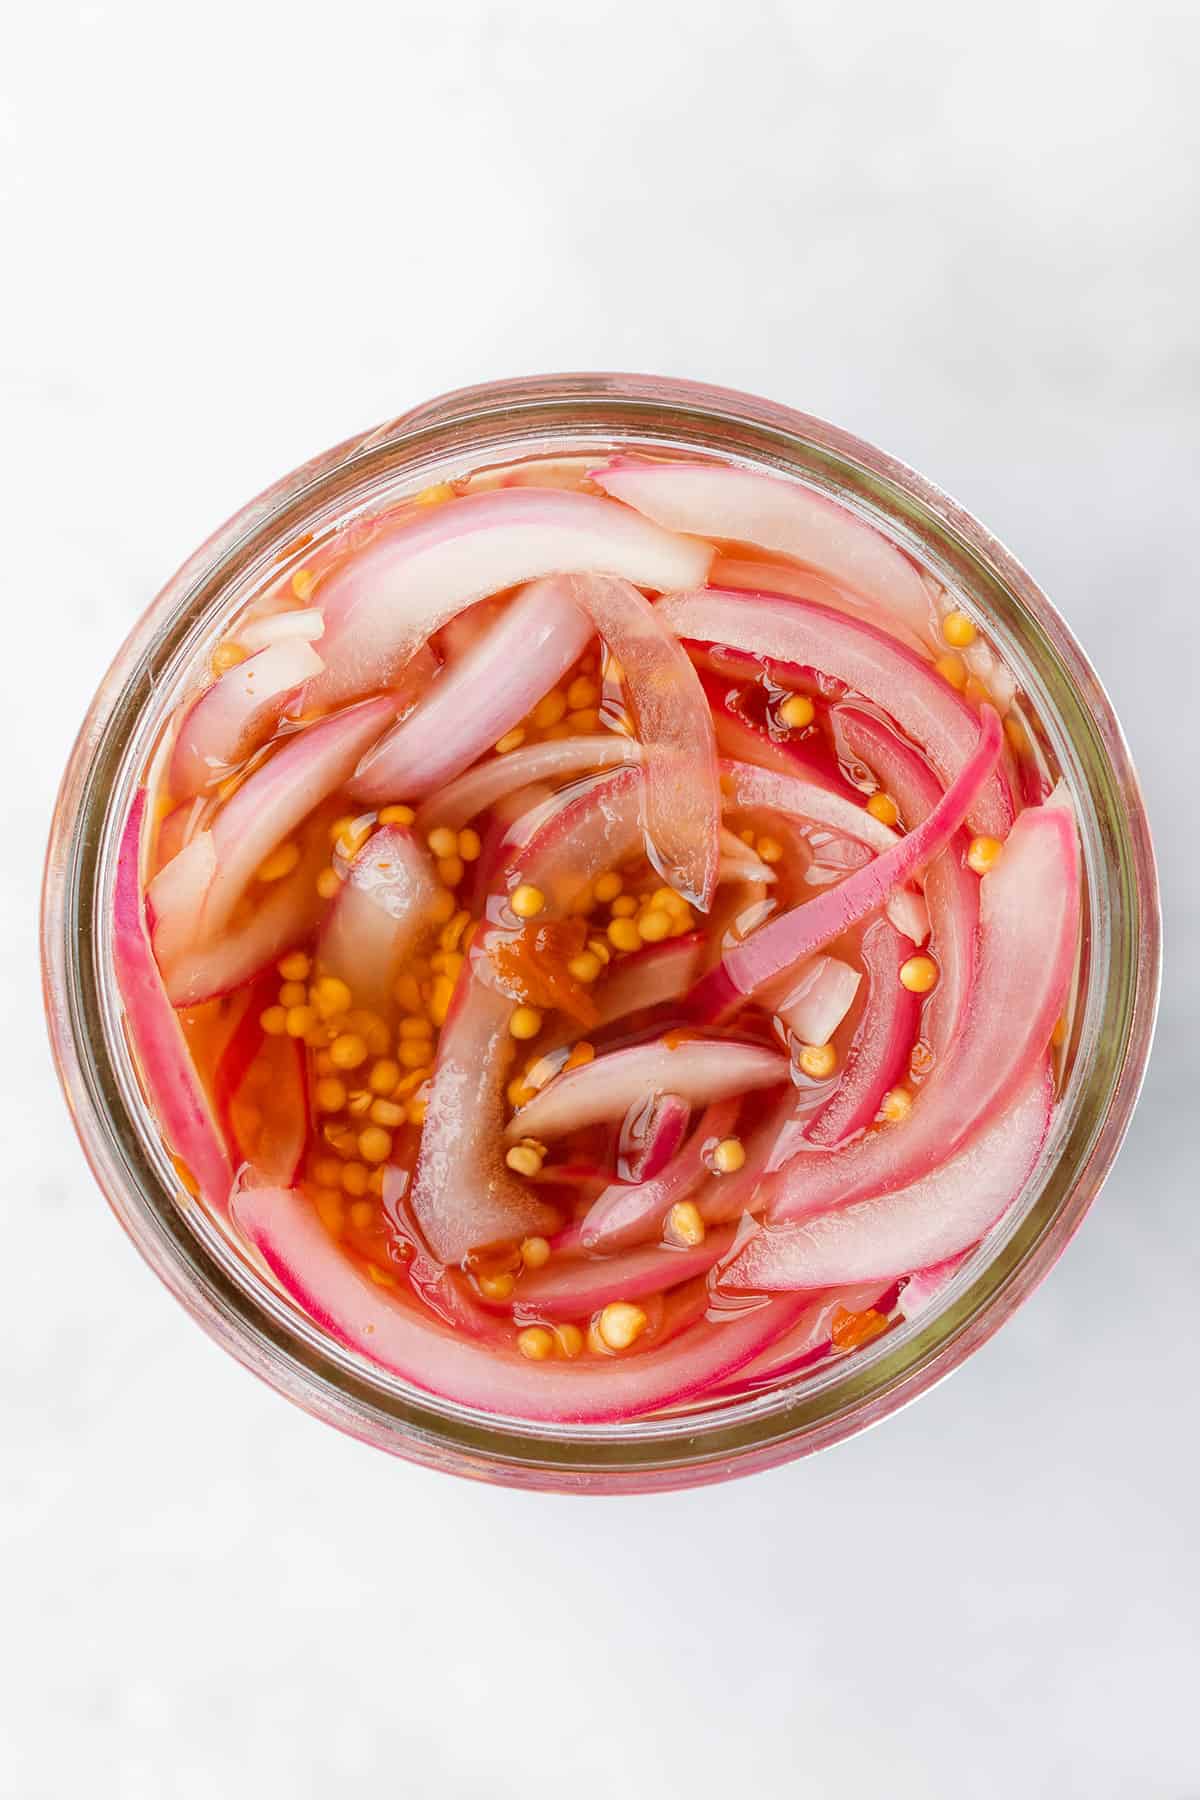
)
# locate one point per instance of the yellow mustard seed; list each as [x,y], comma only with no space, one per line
[525,1022]
[818,1061]
[527,901]
[881,806]
[958,630]
[796,712]
[281,862]
[919,974]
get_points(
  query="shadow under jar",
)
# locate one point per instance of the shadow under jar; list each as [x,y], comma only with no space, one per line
[1058,715]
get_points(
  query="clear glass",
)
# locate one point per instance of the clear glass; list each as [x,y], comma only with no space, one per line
[1113,1018]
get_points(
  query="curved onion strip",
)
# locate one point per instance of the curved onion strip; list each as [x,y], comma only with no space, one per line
[238,713]
[380,605]
[478,698]
[924,1285]
[482,787]
[179,827]
[261,1092]
[924,706]
[809,1341]
[739,863]
[291,622]
[934,1218]
[699,1070]
[158,1044]
[626,1214]
[379,913]
[804,584]
[776,514]
[1028,927]
[464,1196]
[674,728]
[745,741]
[651,1133]
[271,802]
[819,995]
[909,914]
[805,928]
[747,787]
[175,898]
[283,1227]
[574,1287]
[881,1046]
[279,922]
[951,888]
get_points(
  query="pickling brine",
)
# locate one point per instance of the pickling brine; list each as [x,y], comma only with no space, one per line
[597,933]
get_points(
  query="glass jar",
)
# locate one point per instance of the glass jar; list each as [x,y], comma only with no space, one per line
[1113,1018]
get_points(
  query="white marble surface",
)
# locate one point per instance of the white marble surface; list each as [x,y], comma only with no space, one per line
[231,235]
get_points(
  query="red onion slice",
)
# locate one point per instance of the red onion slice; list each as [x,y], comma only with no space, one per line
[261,1092]
[574,1287]
[819,995]
[276,798]
[1028,931]
[936,1217]
[293,622]
[237,714]
[464,1196]
[626,1214]
[412,577]
[951,888]
[865,659]
[352,1309]
[745,507]
[160,1050]
[175,898]
[805,928]
[383,908]
[802,584]
[480,788]
[700,1070]
[201,971]
[651,1132]
[748,788]
[674,728]
[881,1046]
[478,698]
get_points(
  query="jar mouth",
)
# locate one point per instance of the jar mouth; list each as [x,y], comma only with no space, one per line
[209,1273]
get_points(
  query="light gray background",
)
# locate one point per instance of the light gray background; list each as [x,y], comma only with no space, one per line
[232,234]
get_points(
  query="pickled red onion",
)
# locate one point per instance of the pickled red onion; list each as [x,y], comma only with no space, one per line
[881,1045]
[159,1047]
[805,928]
[700,1070]
[626,1213]
[380,605]
[277,797]
[807,636]
[284,1228]
[464,1196]
[1028,928]
[479,697]
[740,505]
[674,729]
[237,713]
[933,1218]
[481,787]
[571,1287]
[379,914]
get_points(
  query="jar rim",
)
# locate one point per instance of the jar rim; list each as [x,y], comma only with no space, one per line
[188,1251]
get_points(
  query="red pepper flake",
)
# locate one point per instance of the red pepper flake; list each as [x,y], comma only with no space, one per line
[532,966]
[850,1330]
